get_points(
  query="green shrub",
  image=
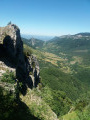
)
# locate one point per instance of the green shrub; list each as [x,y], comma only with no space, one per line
[8,77]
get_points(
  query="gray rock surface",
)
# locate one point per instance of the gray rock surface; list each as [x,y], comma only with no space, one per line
[11,47]
[10,37]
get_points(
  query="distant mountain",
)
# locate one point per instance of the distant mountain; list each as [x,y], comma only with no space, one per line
[35,43]
[69,43]
[44,38]
[65,43]
[84,34]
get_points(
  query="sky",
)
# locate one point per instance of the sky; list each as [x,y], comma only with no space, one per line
[47,17]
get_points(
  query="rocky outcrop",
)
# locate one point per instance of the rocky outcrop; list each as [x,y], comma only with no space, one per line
[11,48]
[10,38]
[32,70]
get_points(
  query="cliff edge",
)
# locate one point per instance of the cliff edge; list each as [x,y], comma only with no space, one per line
[13,59]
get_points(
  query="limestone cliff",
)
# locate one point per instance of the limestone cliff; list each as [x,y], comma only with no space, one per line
[12,57]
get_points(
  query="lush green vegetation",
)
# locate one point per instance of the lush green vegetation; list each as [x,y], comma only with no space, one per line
[8,77]
[10,109]
[56,99]
[58,80]
[11,106]
[74,85]
[79,114]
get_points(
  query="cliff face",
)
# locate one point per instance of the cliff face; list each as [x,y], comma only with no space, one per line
[11,52]
[10,38]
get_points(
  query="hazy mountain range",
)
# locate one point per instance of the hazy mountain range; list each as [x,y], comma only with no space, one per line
[44,38]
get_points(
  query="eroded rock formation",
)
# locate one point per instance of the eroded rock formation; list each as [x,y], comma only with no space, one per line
[11,49]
